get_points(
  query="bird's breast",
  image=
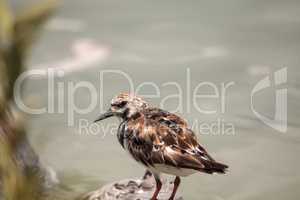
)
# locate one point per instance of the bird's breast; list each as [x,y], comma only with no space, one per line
[124,134]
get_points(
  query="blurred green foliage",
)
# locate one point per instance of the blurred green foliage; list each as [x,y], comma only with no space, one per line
[17,34]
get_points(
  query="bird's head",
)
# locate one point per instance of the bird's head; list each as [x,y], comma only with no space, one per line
[124,105]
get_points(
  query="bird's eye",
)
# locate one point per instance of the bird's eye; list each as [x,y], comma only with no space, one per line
[120,105]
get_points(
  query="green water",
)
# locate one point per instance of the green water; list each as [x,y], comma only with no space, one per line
[156,41]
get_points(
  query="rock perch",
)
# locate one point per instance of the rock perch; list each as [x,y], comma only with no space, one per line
[131,189]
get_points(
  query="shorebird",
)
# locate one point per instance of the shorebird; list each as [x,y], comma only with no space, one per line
[161,141]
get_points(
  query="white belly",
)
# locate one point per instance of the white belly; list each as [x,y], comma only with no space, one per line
[166,169]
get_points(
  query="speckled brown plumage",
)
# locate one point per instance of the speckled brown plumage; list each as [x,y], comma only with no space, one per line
[160,140]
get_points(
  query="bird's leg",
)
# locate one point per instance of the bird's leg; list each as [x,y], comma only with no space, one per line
[158,187]
[176,184]
[147,174]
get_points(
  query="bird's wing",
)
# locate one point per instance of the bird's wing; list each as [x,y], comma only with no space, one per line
[176,144]
[160,137]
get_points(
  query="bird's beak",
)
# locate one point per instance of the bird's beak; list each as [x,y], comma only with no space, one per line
[105,115]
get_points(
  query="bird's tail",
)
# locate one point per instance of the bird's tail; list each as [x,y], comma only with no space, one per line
[216,167]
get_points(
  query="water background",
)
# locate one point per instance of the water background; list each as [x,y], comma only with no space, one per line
[157,41]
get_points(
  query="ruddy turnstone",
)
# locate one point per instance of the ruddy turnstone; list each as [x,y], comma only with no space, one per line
[159,140]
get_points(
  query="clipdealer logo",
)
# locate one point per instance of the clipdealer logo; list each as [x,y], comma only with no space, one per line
[60,103]
[279,122]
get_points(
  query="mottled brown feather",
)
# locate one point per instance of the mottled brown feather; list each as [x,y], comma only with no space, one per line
[159,137]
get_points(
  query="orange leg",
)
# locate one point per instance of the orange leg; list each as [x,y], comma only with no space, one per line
[158,187]
[176,185]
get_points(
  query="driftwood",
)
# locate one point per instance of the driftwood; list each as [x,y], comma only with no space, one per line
[131,189]
[20,169]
